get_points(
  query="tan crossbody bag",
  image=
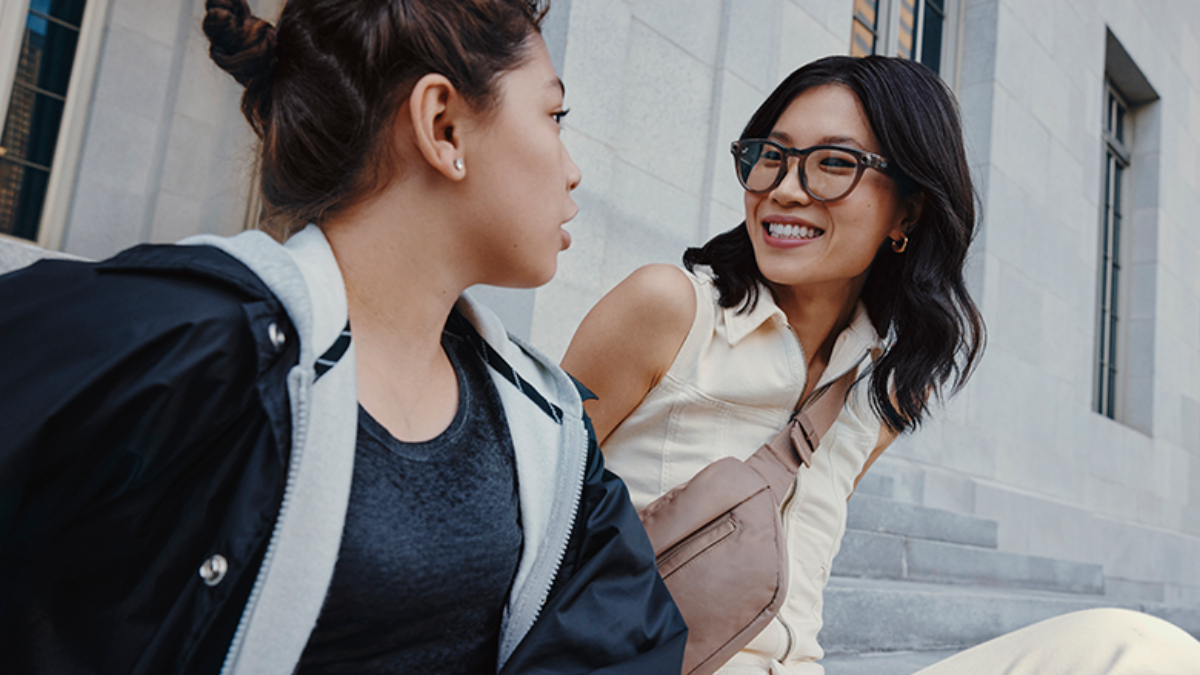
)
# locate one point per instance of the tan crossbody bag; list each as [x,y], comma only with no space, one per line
[719,539]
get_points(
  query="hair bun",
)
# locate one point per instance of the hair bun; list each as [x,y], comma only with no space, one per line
[242,44]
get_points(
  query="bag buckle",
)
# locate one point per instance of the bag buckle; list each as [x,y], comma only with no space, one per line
[804,438]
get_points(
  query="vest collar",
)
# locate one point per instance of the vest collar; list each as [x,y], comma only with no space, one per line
[858,337]
[740,324]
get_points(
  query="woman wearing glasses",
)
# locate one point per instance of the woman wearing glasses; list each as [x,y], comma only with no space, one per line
[859,213]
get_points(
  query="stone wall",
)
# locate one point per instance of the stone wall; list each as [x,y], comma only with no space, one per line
[166,152]
[1022,444]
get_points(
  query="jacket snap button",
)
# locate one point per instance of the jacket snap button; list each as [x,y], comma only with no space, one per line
[213,570]
[276,335]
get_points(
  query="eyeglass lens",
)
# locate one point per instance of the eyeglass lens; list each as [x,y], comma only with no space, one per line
[827,173]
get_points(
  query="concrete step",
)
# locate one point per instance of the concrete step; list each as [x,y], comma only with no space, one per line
[878,615]
[1187,618]
[876,484]
[886,556]
[913,585]
[883,663]
[881,627]
[872,513]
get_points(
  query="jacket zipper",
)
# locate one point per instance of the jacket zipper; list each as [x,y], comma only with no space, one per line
[562,551]
[239,635]
[547,583]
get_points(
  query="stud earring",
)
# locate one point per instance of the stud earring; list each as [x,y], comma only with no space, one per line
[458,164]
[898,245]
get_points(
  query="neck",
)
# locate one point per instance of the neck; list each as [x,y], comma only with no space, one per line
[818,314]
[402,275]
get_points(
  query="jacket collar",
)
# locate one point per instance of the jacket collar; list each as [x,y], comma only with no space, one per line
[294,576]
[551,457]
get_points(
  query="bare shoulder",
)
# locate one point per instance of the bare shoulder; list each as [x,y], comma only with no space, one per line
[629,340]
[659,293]
[651,310]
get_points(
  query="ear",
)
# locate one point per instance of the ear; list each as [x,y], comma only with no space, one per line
[437,111]
[910,212]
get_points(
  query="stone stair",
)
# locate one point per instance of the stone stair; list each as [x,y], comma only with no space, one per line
[888,540]
[912,585]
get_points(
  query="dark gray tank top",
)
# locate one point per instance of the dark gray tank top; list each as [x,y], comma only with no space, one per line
[431,542]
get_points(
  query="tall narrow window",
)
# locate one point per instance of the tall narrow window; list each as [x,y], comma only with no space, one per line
[35,111]
[1116,162]
[863,34]
[906,37]
[911,29]
[1127,278]
[933,22]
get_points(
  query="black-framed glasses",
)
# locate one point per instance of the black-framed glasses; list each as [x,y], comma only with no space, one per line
[827,172]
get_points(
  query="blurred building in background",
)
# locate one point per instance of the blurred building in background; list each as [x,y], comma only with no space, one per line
[118,130]
[1066,475]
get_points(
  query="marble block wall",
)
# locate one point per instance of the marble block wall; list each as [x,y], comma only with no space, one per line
[1022,444]
[166,153]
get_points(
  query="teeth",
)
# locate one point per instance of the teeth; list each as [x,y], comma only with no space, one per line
[793,231]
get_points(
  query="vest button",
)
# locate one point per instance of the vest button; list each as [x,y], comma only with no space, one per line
[213,570]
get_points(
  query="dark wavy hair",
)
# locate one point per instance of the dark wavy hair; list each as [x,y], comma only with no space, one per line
[322,88]
[917,299]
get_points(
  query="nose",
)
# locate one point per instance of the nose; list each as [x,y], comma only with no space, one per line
[574,175]
[790,190]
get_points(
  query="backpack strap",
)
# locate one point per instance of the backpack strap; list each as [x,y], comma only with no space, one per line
[780,458]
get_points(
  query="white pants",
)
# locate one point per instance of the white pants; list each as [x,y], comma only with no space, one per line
[1091,642]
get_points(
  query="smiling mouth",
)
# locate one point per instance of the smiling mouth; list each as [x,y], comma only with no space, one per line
[780,231]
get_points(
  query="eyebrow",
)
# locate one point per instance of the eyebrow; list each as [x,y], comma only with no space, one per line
[828,140]
[840,140]
[557,81]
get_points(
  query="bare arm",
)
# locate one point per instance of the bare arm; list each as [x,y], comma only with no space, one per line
[628,341]
[886,437]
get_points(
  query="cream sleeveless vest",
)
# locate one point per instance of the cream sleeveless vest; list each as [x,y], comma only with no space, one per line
[733,385]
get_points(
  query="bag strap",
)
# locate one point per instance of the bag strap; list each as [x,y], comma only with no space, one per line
[779,459]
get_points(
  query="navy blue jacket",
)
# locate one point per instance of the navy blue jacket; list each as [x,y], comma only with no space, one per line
[144,423]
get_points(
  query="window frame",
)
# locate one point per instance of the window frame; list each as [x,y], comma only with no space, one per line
[59,190]
[1138,154]
[1109,372]
[887,33]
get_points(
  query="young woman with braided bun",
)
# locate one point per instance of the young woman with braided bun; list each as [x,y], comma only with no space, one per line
[319,456]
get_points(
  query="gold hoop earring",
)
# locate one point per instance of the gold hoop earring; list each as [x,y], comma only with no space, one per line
[898,245]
